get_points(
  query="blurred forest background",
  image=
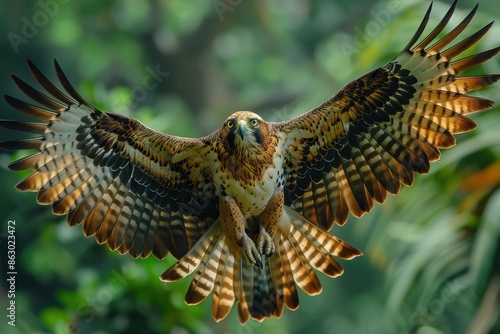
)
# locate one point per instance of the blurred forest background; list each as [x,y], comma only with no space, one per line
[431,262]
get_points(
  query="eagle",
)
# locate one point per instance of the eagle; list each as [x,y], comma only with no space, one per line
[248,208]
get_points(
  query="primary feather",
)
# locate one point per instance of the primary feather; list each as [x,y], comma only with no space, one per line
[248,208]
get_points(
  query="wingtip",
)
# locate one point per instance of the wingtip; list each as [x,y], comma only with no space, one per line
[419,31]
[351,253]
[57,66]
[494,78]
[19,83]
[63,79]
[488,26]
[454,5]
[429,10]
[33,68]
[473,11]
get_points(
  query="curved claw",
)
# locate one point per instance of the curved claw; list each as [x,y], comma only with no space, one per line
[265,243]
[253,255]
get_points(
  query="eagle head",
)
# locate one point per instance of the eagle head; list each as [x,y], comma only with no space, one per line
[245,130]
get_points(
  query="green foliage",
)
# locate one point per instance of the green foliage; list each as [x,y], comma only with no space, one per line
[431,260]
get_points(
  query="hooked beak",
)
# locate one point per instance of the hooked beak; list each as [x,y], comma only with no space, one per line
[242,128]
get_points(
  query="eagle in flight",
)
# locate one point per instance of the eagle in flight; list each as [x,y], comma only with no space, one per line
[248,208]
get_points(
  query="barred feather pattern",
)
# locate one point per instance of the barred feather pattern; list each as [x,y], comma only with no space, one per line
[261,292]
[372,136]
[132,188]
[128,185]
[143,192]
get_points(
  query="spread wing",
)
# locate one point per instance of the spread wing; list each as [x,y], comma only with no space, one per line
[136,189]
[378,130]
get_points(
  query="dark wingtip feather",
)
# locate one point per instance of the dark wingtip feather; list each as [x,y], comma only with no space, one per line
[29,127]
[67,85]
[466,43]
[449,37]
[21,144]
[49,86]
[494,78]
[30,109]
[419,31]
[27,163]
[471,61]
[438,28]
[37,95]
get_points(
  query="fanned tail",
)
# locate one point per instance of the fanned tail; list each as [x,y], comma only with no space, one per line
[263,292]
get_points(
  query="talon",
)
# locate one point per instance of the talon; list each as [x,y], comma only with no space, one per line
[251,251]
[265,243]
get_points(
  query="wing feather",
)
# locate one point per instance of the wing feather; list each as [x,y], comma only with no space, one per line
[132,187]
[377,131]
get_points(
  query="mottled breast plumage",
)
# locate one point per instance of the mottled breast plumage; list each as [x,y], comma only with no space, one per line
[250,161]
[247,209]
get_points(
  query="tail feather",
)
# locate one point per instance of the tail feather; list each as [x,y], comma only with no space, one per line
[261,298]
[324,263]
[279,281]
[264,301]
[263,292]
[303,272]
[192,260]
[283,266]
[266,290]
[246,297]
[203,281]
[224,294]
[322,241]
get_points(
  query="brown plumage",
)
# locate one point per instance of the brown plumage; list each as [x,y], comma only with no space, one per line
[247,209]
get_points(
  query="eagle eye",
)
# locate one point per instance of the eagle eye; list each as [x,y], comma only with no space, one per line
[230,124]
[254,122]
